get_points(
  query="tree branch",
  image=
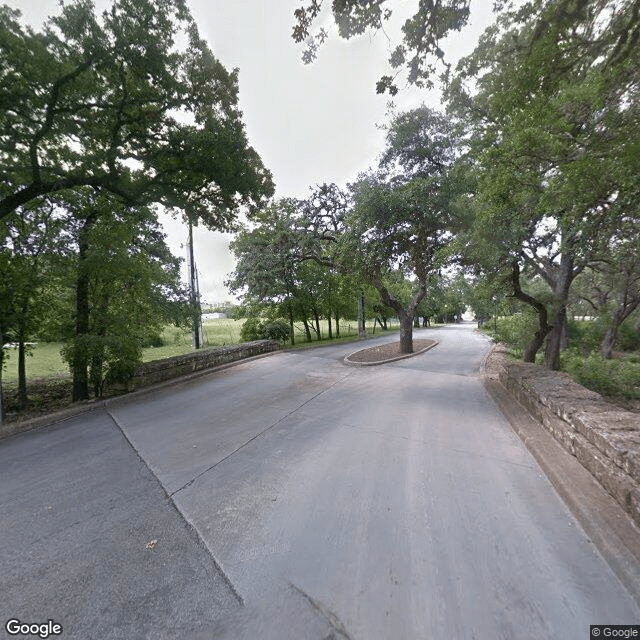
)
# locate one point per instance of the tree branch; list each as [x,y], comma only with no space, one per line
[19,198]
[49,116]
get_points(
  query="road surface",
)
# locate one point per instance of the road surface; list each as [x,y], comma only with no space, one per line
[335,502]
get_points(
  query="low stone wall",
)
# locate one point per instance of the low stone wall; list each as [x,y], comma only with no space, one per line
[604,438]
[159,370]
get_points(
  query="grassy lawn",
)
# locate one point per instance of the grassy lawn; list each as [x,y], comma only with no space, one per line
[45,360]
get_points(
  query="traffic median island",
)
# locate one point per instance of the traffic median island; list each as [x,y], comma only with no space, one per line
[388,352]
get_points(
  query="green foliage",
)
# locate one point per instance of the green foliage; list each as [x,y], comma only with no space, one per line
[552,107]
[616,377]
[277,329]
[153,339]
[629,337]
[257,329]
[251,330]
[92,92]
[586,335]
[515,331]
[283,268]
[419,53]
[112,358]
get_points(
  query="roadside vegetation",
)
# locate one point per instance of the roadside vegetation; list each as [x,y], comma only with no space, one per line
[50,380]
[617,377]
[46,361]
[519,199]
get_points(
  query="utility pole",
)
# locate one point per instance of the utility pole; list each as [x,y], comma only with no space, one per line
[194,293]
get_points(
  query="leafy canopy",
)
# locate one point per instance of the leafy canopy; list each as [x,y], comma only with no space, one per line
[117,102]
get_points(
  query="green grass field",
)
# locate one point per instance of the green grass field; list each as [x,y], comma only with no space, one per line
[45,360]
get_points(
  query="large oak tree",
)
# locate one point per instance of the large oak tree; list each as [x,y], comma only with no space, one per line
[131,102]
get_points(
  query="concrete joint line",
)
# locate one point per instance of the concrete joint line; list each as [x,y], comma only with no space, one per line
[261,433]
[193,530]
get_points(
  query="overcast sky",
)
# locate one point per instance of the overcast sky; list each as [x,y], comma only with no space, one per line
[310,123]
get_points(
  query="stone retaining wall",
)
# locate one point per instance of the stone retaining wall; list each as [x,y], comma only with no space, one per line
[176,366]
[604,438]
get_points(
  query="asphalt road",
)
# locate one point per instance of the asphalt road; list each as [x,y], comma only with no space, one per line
[337,502]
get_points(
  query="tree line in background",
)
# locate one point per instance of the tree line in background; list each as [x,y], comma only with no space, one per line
[528,183]
[539,191]
[521,197]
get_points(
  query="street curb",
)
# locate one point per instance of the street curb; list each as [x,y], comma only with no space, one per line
[11,429]
[608,527]
[352,363]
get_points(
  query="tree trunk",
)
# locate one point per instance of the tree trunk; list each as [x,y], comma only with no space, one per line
[562,283]
[22,375]
[628,306]
[609,339]
[97,361]
[330,328]
[405,315]
[337,325]
[406,333]
[96,375]
[292,337]
[307,331]
[316,318]
[80,356]
[554,340]
[544,327]
[532,348]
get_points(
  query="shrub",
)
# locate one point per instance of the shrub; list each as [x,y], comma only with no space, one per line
[586,335]
[515,331]
[614,377]
[628,336]
[251,330]
[277,329]
[110,359]
[152,340]
[256,329]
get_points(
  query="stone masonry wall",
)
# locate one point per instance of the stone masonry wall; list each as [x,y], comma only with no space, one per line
[604,438]
[167,368]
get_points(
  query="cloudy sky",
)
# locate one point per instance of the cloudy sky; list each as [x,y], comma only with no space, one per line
[309,123]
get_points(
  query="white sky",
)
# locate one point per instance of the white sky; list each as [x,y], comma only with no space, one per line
[310,123]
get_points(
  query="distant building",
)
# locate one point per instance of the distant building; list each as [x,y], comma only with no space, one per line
[216,315]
